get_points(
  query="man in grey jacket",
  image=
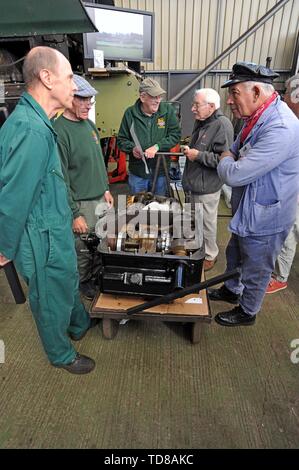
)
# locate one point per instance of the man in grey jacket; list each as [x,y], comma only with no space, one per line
[212,134]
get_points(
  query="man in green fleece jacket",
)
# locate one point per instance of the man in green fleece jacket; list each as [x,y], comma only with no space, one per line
[85,175]
[157,129]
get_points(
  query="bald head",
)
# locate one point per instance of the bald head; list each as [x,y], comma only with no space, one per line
[37,59]
[49,79]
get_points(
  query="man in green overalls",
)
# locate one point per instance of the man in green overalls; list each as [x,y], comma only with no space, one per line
[35,217]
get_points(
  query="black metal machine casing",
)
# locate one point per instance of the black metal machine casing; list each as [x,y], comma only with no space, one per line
[152,262]
[147,274]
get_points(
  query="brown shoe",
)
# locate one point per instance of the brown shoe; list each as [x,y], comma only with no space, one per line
[209,264]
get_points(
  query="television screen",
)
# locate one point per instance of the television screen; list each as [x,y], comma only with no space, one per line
[123,34]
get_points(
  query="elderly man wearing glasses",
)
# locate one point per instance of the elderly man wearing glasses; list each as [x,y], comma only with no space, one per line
[85,174]
[147,127]
[212,134]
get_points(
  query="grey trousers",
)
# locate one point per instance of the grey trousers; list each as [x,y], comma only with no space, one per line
[210,209]
[88,263]
[287,254]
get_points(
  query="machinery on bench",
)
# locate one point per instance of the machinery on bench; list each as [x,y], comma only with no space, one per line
[153,251]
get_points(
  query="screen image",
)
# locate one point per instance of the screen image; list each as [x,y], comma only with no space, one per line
[123,34]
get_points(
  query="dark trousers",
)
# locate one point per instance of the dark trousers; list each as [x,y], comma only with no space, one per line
[256,257]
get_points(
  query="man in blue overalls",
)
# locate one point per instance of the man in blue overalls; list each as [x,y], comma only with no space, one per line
[35,217]
[263,169]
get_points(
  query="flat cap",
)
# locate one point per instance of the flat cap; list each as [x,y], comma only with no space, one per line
[250,72]
[151,87]
[84,89]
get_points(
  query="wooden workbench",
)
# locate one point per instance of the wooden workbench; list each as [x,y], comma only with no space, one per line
[194,308]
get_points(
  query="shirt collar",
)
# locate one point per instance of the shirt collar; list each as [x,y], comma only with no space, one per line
[38,109]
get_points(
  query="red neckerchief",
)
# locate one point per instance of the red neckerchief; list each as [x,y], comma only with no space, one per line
[252,120]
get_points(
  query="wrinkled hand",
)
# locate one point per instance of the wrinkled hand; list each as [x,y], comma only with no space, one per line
[191,154]
[108,198]
[80,225]
[137,153]
[151,152]
[3,260]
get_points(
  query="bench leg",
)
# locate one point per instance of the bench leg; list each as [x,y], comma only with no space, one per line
[196,331]
[110,328]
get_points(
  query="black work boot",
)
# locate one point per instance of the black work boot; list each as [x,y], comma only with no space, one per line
[80,365]
[235,317]
[224,294]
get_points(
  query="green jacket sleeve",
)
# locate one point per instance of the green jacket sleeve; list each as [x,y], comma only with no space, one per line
[64,157]
[124,143]
[173,135]
[24,161]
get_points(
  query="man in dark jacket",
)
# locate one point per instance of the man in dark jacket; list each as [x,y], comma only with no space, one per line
[212,134]
[147,127]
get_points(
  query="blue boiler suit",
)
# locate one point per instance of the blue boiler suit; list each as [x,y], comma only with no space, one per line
[36,233]
[265,186]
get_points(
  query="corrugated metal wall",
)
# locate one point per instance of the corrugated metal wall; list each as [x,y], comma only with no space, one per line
[189,34]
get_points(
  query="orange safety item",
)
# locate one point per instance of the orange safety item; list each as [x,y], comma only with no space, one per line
[116,155]
[175,149]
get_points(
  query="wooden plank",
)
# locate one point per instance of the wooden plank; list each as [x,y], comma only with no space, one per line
[193,305]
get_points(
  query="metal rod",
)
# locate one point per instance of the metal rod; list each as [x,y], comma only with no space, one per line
[181,293]
[170,154]
[14,283]
[160,157]
[233,46]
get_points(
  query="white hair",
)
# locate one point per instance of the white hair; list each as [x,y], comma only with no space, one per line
[211,96]
[268,88]
[293,82]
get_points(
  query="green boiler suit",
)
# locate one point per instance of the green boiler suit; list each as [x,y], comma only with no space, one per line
[36,230]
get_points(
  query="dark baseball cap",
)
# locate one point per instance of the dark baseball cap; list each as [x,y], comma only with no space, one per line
[250,72]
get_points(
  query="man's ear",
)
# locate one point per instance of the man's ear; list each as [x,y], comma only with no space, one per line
[256,92]
[45,77]
[142,97]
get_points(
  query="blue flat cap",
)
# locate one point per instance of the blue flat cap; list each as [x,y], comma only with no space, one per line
[84,88]
[250,72]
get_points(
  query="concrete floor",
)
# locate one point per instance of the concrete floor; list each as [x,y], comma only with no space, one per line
[151,387]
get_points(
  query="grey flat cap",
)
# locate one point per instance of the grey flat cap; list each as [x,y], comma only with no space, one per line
[85,90]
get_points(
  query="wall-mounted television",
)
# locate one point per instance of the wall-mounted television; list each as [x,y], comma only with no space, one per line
[124,34]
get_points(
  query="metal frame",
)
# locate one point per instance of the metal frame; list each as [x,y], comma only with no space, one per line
[232,47]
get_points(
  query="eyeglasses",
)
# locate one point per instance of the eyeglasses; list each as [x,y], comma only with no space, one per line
[198,106]
[155,98]
[85,101]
